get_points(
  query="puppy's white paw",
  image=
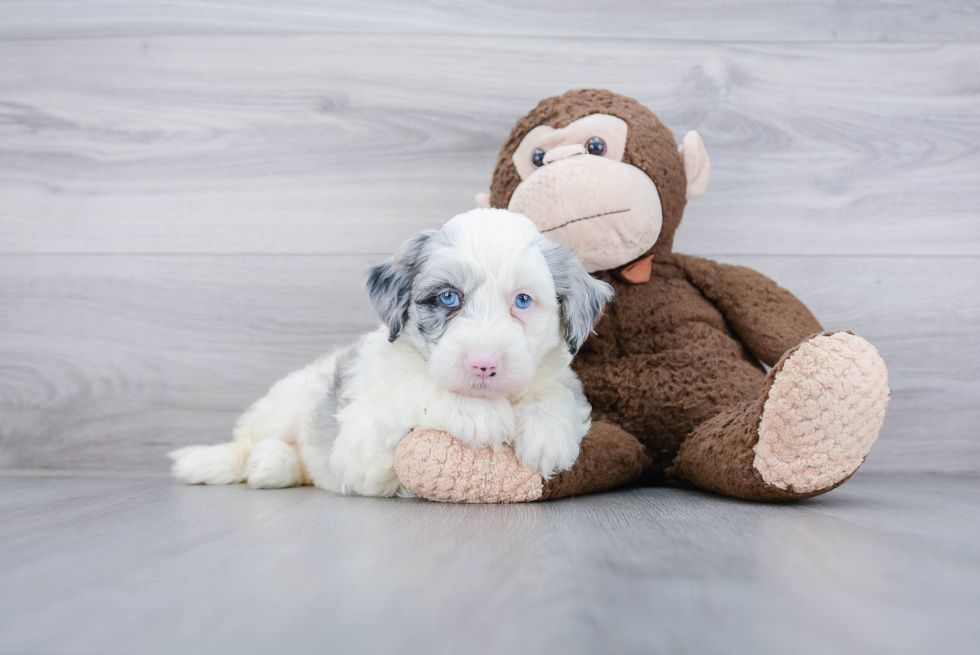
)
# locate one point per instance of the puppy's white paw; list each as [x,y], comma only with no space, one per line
[545,444]
[221,464]
[273,464]
[479,422]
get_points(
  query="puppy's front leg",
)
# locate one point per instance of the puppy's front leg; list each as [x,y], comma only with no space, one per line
[362,458]
[550,425]
[477,422]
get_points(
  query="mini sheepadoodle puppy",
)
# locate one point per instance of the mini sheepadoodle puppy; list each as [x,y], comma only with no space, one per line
[480,321]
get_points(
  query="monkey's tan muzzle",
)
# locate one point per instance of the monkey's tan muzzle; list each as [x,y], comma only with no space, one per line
[609,210]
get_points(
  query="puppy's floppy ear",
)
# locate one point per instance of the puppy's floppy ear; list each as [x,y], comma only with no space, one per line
[582,297]
[390,284]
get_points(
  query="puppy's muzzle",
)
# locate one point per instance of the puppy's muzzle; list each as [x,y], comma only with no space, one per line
[483,365]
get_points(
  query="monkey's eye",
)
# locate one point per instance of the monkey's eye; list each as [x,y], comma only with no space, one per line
[449,298]
[538,158]
[596,146]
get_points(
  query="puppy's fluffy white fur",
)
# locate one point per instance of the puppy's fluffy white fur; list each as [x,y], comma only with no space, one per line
[445,295]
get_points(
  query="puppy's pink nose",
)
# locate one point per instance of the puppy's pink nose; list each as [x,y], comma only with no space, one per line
[482,365]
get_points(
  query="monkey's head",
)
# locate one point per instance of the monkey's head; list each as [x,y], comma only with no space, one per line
[600,173]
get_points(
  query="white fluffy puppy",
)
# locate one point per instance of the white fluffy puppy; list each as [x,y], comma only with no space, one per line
[481,318]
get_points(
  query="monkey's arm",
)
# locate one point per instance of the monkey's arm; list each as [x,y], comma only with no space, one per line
[767,318]
[437,466]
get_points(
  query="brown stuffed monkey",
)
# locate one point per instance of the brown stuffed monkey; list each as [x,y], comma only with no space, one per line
[675,371]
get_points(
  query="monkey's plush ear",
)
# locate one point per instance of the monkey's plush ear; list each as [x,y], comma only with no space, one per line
[581,296]
[697,166]
[390,284]
[483,200]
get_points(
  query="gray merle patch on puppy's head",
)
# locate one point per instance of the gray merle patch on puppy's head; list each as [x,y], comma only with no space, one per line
[581,296]
[390,286]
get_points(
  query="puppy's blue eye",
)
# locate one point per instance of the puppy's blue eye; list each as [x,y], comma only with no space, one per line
[449,298]
[523,301]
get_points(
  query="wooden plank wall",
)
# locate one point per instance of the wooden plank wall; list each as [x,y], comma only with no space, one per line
[190,192]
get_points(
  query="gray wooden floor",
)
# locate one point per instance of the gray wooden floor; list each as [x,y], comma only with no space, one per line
[885,564]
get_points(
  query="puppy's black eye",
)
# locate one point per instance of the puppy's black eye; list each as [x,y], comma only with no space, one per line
[538,157]
[596,146]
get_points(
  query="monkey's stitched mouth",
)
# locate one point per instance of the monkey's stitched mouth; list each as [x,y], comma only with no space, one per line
[586,218]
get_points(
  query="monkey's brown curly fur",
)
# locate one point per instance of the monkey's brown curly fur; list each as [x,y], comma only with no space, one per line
[675,373]
[678,356]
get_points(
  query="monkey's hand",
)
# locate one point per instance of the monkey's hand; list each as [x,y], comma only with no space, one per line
[436,466]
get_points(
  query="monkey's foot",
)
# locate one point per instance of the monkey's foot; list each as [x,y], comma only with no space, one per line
[825,405]
[809,431]
[437,466]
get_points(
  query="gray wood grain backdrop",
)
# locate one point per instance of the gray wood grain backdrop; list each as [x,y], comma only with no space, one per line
[190,192]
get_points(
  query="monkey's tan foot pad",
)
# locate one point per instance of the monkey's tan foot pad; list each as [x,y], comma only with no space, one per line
[822,414]
[437,466]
